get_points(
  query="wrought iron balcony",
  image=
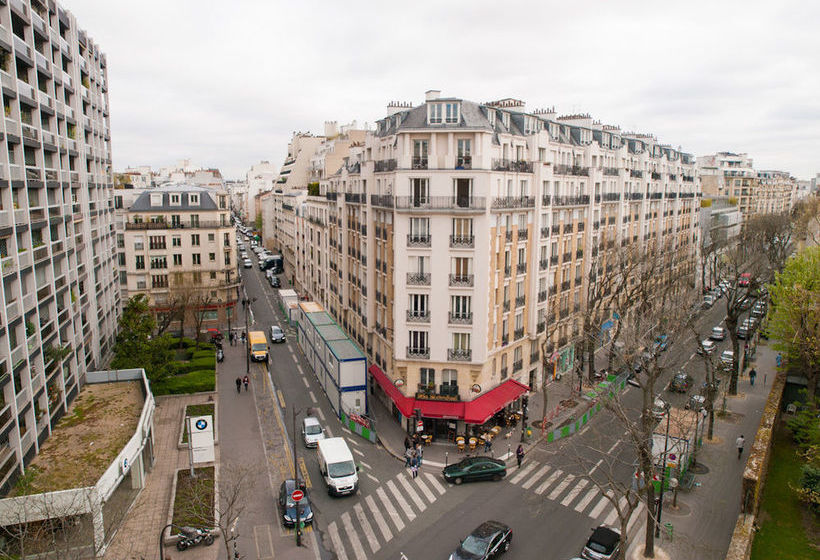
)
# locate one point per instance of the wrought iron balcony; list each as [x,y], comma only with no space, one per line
[540,327]
[545,200]
[385,165]
[523,234]
[418,352]
[382,200]
[636,173]
[507,270]
[464,162]
[518,166]
[556,228]
[461,280]
[422,316]
[612,197]
[636,196]
[450,390]
[581,226]
[462,241]
[441,202]
[545,232]
[655,176]
[508,236]
[460,318]
[419,162]
[543,264]
[518,333]
[567,256]
[565,285]
[505,339]
[459,355]
[418,240]
[518,365]
[506,306]
[542,296]
[519,301]
[418,278]
[521,268]
[553,290]
[568,228]
[503,202]
[553,260]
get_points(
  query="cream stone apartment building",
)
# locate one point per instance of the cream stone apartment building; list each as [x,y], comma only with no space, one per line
[179,248]
[461,234]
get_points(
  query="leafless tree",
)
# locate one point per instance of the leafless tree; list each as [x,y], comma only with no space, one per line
[771,234]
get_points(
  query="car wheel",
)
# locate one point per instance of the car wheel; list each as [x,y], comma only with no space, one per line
[458,480]
[496,477]
[182,545]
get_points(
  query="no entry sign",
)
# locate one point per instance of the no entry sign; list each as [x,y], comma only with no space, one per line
[297,495]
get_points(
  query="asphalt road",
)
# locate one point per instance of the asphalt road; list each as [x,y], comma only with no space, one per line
[549,505]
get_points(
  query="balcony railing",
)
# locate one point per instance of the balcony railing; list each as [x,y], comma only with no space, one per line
[545,232]
[441,202]
[521,268]
[464,162]
[418,240]
[523,234]
[450,390]
[418,352]
[461,280]
[518,333]
[462,241]
[503,202]
[565,285]
[542,296]
[519,301]
[519,166]
[508,236]
[636,196]
[635,173]
[460,318]
[545,200]
[418,278]
[570,200]
[553,260]
[518,365]
[506,306]
[611,171]
[382,200]
[172,225]
[385,165]
[543,264]
[577,170]
[568,227]
[459,355]
[612,197]
[419,162]
[418,316]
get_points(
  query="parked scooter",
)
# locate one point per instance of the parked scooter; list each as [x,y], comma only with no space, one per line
[192,536]
[220,355]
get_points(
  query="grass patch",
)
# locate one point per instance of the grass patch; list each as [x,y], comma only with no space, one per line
[197,410]
[196,373]
[194,498]
[788,530]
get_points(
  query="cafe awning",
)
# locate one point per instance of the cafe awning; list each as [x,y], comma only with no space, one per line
[404,404]
[481,409]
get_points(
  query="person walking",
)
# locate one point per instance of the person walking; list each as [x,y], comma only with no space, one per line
[488,444]
[752,375]
[246,381]
[238,384]
[519,454]
[779,360]
[414,467]
[739,442]
[407,443]
[419,454]
[408,456]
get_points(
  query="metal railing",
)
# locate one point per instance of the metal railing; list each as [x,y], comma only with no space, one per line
[459,354]
[418,240]
[461,280]
[502,202]
[421,316]
[418,352]
[460,318]
[462,241]
[441,202]
[518,166]
[418,278]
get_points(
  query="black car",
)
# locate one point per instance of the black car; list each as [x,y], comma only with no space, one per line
[681,383]
[488,540]
[287,507]
[275,282]
[475,468]
[276,334]
[603,544]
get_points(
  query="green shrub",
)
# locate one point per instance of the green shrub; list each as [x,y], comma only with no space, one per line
[196,381]
[197,354]
[810,485]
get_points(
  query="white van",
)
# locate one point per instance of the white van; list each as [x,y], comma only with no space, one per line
[337,466]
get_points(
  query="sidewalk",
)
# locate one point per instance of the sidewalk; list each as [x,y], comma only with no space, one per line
[138,537]
[705,518]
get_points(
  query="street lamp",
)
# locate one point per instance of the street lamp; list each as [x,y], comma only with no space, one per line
[663,471]
[161,548]
[297,523]
[246,304]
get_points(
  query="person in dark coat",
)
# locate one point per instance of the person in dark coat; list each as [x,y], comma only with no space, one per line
[238,384]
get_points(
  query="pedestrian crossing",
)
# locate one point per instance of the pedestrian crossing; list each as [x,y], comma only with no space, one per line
[373,521]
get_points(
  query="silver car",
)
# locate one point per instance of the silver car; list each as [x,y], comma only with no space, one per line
[312,432]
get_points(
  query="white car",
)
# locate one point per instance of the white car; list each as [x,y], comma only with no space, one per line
[718,333]
[707,346]
[727,357]
[708,301]
[247,263]
[659,408]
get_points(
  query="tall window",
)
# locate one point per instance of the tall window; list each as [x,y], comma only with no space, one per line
[419,305]
[195,239]
[460,306]
[451,112]
[464,157]
[427,377]
[177,260]
[420,154]
[194,220]
[435,113]
[419,228]
[420,193]
[418,340]
[196,259]
[462,227]
[140,262]
[462,266]
[461,341]
[419,265]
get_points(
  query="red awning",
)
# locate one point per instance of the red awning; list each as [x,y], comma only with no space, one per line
[404,404]
[481,409]
[441,409]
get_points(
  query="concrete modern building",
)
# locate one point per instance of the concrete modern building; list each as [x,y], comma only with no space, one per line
[60,296]
[460,236]
[295,171]
[260,178]
[179,248]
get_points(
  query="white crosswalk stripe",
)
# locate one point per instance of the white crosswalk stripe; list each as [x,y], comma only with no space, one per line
[391,511]
[333,531]
[435,483]
[547,483]
[408,511]
[368,530]
[573,493]
[534,478]
[579,507]
[419,482]
[351,533]
[410,491]
[613,515]
[560,488]
[521,474]
[636,515]
[378,517]
[599,507]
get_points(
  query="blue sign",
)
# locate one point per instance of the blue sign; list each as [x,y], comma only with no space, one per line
[608,325]
[616,316]
[201,424]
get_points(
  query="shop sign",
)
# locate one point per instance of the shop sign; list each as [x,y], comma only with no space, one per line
[476,388]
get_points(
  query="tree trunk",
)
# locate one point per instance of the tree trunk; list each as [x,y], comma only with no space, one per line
[591,356]
[735,366]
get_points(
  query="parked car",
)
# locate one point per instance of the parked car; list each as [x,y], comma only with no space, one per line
[276,334]
[603,544]
[681,383]
[475,468]
[718,333]
[745,279]
[659,408]
[727,357]
[743,331]
[287,507]
[488,540]
[247,263]
[707,346]
[759,310]
[695,402]
[708,301]
[312,431]
[275,282]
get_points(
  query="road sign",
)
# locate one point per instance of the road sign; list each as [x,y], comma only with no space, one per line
[420,426]
[297,495]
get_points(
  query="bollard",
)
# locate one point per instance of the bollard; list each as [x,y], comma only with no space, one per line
[446,456]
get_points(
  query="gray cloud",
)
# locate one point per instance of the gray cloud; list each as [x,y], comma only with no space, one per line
[226,83]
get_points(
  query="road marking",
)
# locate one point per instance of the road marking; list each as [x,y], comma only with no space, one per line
[560,488]
[547,483]
[354,442]
[281,397]
[424,490]
[408,489]
[408,511]
[365,465]
[301,371]
[303,469]
[599,507]
[313,397]
[436,484]
[635,516]
[357,452]
[337,542]
[613,515]
[574,492]
[533,479]
[378,517]
[304,380]
[391,511]
[358,549]
[295,361]
[598,464]
[373,478]
[519,475]
[265,536]
[614,445]
[321,416]
[368,530]
[434,463]
[579,507]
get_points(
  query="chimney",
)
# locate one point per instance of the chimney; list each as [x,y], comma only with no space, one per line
[432,94]
[397,107]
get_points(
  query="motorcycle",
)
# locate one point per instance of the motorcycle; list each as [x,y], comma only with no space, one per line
[192,536]
[220,355]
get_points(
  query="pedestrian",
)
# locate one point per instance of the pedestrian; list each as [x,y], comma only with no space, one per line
[752,375]
[739,442]
[414,467]
[419,454]
[246,381]
[519,454]
[238,385]
[408,456]
[407,443]
[779,360]
[488,444]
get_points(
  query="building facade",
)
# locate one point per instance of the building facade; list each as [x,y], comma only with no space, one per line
[60,295]
[460,237]
[179,248]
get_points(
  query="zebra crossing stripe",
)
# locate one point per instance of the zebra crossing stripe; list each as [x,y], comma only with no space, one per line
[534,478]
[547,483]
[436,484]
[521,474]
[637,514]
[368,530]
[378,517]
[579,507]
[613,515]
[599,507]
[574,492]
[408,488]
[388,506]
[424,490]
[408,511]
[560,488]
[339,548]
[358,550]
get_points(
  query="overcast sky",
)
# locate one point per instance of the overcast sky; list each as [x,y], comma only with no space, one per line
[226,83]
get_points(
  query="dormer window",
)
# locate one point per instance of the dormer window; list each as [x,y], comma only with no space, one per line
[193,199]
[451,113]
[505,118]
[156,199]
[434,113]
[175,199]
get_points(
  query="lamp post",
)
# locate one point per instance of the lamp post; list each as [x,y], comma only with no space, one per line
[297,523]
[663,471]
[219,304]
[162,548]
[246,304]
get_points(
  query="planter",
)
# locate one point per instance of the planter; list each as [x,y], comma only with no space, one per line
[181,476]
[182,443]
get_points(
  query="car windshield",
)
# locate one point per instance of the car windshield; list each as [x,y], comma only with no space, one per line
[259,347]
[344,468]
[597,547]
[276,330]
[474,545]
[313,429]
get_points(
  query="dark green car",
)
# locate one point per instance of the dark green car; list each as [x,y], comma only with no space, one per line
[475,468]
